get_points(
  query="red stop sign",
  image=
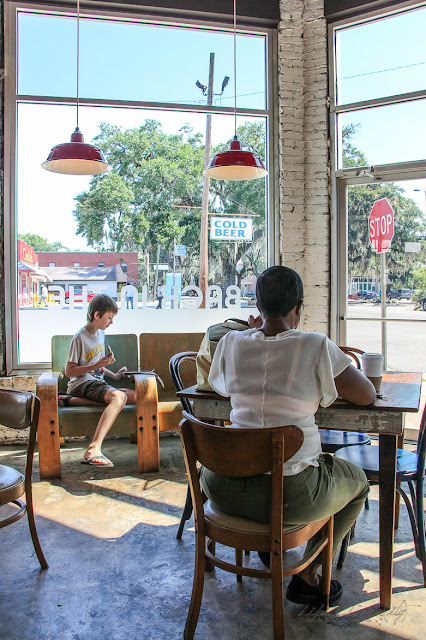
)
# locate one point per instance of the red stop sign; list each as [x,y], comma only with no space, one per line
[380,225]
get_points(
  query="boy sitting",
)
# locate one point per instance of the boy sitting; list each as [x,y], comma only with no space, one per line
[86,368]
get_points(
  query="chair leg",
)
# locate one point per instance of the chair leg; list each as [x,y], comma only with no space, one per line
[197,588]
[343,549]
[327,561]
[211,546]
[187,513]
[239,562]
[367,504]
[277,595]
[421,526]
[34,535]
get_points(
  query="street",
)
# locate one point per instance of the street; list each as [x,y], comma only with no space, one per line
[406,340]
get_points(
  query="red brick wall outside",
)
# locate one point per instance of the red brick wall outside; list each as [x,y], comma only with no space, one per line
[92,259]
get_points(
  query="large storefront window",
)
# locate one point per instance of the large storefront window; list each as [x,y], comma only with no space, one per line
[379,89]
[133,233]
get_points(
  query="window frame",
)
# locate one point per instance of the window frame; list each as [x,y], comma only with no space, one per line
[270,113]
[341,178]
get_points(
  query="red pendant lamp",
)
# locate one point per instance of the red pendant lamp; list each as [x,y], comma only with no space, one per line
[235,164]
[76,157]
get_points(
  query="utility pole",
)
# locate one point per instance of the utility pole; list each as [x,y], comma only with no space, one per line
[204,235]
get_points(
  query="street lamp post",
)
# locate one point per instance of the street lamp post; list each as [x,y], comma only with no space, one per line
[204,234]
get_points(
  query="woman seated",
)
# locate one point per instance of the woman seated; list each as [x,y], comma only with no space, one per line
[275,375]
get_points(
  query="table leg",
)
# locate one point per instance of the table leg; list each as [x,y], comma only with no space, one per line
[387,475]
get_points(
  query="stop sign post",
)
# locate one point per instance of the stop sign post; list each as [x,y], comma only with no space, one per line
[380,232]
[380,225]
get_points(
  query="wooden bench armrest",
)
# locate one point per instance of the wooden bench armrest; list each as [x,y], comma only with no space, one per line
[48,425]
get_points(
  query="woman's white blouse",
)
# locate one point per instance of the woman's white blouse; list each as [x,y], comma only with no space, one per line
[279,380]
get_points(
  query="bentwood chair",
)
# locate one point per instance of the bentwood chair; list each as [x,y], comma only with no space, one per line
[332,440]
[20,410]
[174,367]
[239,453]
[410,468]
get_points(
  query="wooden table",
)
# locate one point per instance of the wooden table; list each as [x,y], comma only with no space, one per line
[400,394]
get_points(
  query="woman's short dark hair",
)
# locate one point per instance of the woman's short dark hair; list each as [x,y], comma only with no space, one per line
[278,291]
[101,303]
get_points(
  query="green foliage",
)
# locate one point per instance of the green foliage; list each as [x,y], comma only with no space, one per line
[409,224]
[153,195]
[40,244]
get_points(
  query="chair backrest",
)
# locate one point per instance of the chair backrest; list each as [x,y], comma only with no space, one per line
[421,446]
[240,453]
[231,451]
[352,351]
[156,349]
[174,367]
[16,408]
[123,345]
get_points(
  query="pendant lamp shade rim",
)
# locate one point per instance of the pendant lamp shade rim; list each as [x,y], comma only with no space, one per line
[76,158]
[235,164]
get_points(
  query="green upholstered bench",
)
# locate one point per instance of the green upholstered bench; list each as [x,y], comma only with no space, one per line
[154,411]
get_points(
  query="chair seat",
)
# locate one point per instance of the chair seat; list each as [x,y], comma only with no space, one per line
[368,459]
[10,478]
[243,525]
[332,441]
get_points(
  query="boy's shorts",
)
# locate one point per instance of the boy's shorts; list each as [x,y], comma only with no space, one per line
[93,390]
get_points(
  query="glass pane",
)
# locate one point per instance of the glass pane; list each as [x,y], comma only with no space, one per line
[404,273]
[122,227]
[140,62]
[364,335]
[381,58]
[382,135]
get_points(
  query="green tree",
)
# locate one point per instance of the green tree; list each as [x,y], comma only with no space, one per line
[133,207]
[244,197]
[409,222]
[153,195]
[40,244]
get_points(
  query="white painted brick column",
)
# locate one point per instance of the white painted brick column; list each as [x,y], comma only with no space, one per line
[304,153]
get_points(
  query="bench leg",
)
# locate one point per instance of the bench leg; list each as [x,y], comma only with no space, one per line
[147,424]
[48,439]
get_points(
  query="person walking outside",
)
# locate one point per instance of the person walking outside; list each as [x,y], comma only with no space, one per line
[160,295]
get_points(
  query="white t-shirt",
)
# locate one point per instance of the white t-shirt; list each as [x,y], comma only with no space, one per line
[279,380]
[86,349]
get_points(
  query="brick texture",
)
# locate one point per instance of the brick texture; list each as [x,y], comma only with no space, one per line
[304,153]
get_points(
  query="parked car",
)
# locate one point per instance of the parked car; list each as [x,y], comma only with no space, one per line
[405,294]
[78,295]
[353,296]
[366,294]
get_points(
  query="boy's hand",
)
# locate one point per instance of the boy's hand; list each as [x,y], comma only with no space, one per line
[106,360]
[120,373]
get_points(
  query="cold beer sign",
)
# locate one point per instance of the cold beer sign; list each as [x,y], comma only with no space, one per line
[231,228]
[380,225]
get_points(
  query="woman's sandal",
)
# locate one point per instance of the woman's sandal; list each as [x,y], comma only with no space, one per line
[300,592]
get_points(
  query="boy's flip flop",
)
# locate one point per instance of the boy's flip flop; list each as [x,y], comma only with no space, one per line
[98,461]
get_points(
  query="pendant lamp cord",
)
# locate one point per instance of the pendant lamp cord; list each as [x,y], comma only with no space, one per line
[78,51]
[235,66]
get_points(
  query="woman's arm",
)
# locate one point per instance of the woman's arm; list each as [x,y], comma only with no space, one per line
[352,385]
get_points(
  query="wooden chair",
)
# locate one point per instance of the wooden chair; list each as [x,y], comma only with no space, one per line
[235,452]
[175,373]
[332,440]
[20,410]
[410,467]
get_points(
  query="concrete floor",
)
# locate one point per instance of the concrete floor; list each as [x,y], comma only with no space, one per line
[118,573]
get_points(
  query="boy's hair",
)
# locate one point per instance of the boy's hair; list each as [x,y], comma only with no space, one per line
[101,303]
[278,291]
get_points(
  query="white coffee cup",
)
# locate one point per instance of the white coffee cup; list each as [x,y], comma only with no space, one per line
[372,364]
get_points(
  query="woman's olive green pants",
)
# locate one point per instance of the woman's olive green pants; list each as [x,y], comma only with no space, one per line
[335,487]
